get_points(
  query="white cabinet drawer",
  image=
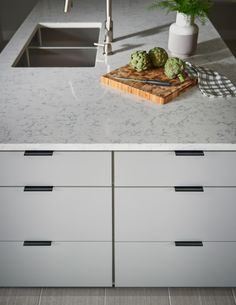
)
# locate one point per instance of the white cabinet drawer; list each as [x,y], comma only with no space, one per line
[167,169]
[162,214]
[164,264]
[63,214]
[61,264]
[59,169]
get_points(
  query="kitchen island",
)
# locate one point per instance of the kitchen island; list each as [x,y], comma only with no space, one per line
[100,188]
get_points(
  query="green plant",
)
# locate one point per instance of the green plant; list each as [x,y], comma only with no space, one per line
[194,8]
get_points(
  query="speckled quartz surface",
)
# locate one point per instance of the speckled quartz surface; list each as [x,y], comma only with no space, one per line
[68,108]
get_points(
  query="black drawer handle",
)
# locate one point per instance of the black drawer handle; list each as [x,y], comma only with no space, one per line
[38,188]
[38,153]
[188,243]
[189,189]
[33,243]
[189,153]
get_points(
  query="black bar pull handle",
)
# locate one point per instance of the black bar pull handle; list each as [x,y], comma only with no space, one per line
[189,153]
[37,243]
[189,189]
[29,188]
[188,243]
[38,153]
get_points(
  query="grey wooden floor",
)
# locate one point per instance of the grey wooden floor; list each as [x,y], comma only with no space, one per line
[117,296]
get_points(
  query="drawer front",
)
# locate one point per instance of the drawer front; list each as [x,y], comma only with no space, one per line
[61,264]
[63,214]
[162,214]
[59,169]
[167,169]
[164,264]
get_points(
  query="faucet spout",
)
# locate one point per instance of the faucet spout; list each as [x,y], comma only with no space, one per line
[68,5]
[108,24]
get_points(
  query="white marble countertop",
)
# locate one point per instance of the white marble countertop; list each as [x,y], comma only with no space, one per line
[68,108]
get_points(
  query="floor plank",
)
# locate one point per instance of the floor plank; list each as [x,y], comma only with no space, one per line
[19,296]
[137,296]
[3,296]
[234,293]
[118,296]
[73,296]
[184,296]
[216,296]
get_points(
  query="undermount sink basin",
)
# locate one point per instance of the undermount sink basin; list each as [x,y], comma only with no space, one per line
[55,57]
[60,46]
[65,37]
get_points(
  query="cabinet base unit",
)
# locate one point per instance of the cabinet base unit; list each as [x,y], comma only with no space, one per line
[41,263]
[175,264]
[163,214]
[180,168]
[55,168]
[65,213]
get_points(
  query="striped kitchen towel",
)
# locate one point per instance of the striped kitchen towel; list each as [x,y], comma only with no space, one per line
[211,83]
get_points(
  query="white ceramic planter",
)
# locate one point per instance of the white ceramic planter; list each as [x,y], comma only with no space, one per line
[183,35]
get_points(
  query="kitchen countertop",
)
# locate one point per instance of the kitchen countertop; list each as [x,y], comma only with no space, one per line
[68,108]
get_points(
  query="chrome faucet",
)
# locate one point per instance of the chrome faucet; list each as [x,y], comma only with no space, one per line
[108,24]
[68,5]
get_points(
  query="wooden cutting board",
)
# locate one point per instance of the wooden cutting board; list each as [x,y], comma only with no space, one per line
[153,93]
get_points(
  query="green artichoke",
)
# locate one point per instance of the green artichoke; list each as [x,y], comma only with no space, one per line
[174,67]
[140,61]
[158,57]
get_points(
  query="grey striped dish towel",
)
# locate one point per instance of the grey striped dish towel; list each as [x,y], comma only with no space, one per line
[211,83]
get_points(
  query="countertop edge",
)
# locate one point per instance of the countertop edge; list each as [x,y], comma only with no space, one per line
[119,147]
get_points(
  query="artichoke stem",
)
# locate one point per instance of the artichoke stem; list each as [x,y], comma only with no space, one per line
[181,77]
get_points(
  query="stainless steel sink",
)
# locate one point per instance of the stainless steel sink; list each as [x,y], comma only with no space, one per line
[55,57]
[65,37]
[57,46]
